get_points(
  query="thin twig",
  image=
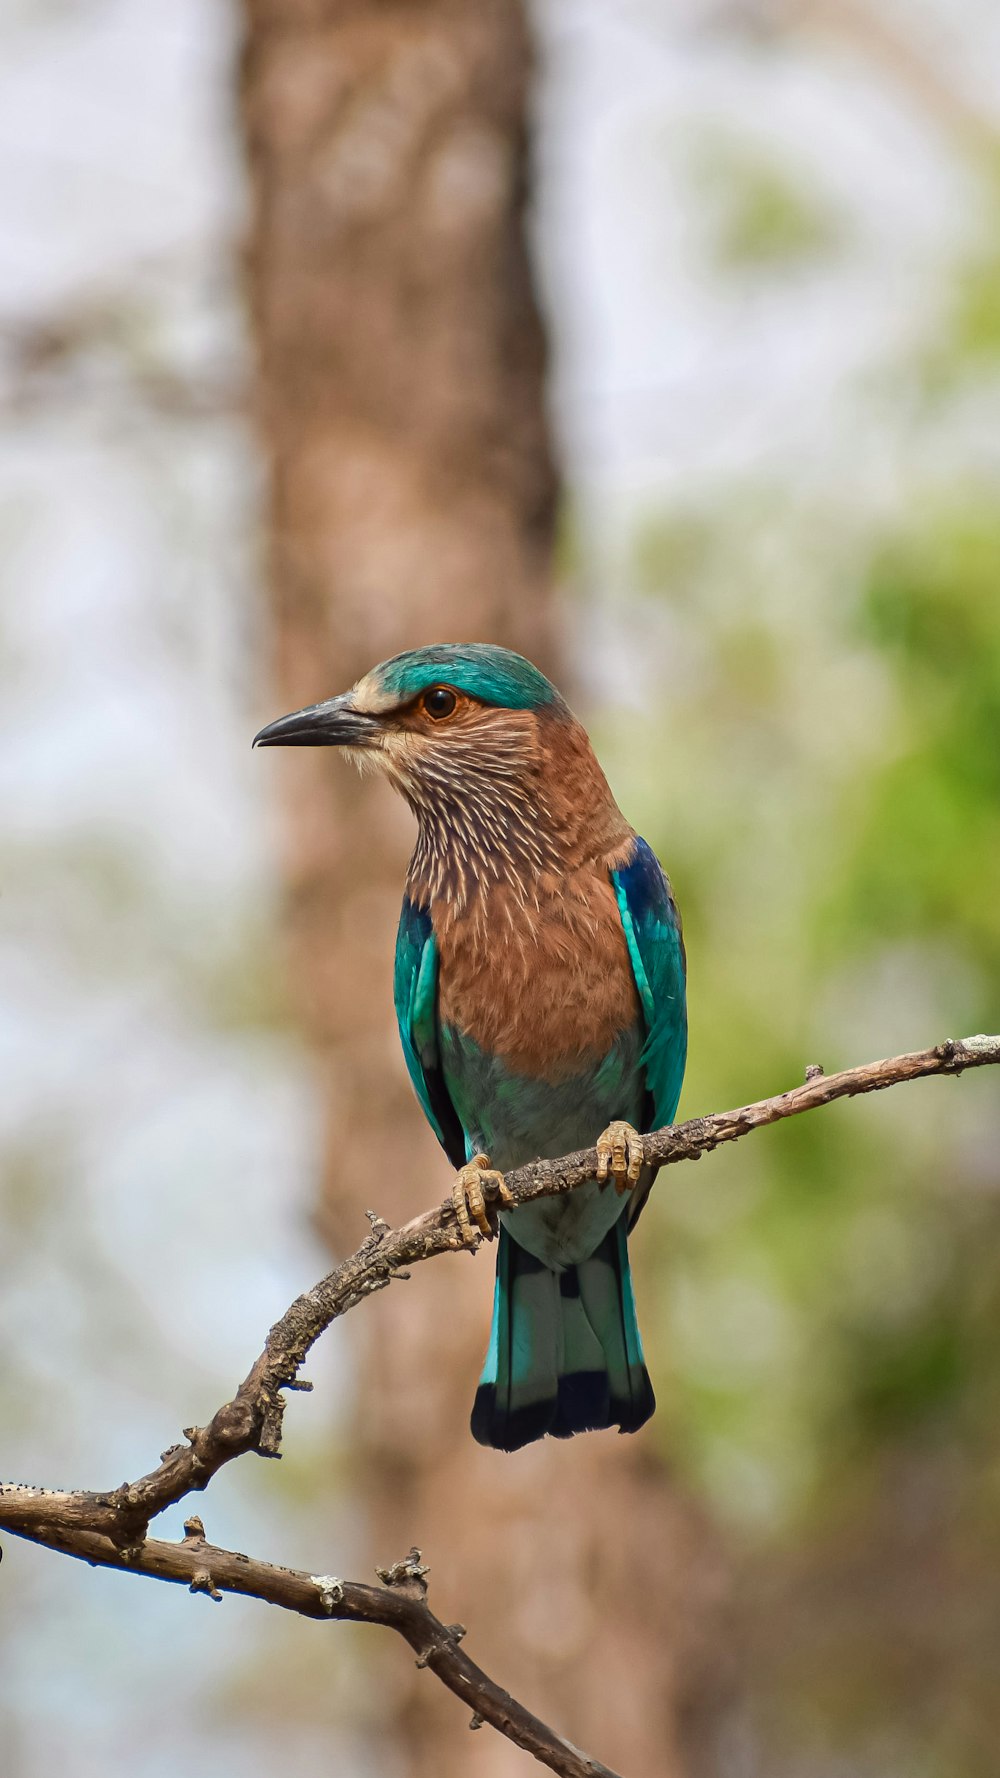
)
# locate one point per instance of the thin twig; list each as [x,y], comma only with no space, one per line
[111,1528]
[399,1604]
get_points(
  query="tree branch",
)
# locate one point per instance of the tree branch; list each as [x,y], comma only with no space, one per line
[399,1604]
[110,1529]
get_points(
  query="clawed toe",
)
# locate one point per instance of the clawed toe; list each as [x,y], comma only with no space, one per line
[619,1156]
[469,1202]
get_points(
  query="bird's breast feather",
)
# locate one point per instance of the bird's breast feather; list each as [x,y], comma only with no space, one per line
[548,987]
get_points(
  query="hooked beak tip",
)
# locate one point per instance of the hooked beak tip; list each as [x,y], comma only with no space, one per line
[335,723]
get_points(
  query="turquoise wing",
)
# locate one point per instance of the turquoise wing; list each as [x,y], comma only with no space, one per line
[415,985]
[656,947]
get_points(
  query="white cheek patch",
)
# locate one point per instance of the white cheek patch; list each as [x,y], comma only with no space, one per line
[368,760]
[399,753]
[391,754]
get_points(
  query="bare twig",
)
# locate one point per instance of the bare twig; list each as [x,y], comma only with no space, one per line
[399,1604]
[111,1528]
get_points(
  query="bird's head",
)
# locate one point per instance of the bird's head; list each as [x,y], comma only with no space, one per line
[437,721]
[498,771]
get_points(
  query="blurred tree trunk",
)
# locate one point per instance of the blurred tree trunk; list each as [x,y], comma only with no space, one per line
[412,498]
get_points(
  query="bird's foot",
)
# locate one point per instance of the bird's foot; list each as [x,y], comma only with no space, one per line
[619,1156]
[469,1202]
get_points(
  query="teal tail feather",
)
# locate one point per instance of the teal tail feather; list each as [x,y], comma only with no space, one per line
[565,1354]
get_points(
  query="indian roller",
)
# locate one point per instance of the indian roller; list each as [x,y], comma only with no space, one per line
[540,994]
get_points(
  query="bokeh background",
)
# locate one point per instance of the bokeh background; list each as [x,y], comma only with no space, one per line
[765,244]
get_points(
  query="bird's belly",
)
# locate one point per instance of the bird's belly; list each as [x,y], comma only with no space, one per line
[515,1119]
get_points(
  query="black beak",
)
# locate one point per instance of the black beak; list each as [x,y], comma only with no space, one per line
[333,724]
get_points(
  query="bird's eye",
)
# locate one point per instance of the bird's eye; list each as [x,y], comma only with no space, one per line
[439,702]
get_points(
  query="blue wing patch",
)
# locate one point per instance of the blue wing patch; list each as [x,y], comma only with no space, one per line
[415,980]
[652,928]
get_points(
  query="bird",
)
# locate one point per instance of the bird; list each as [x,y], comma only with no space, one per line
[540,992]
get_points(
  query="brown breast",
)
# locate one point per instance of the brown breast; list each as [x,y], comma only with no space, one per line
[544,982]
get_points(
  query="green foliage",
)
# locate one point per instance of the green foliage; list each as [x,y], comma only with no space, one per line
[821,773]
[977,307]
[931,608]
[761,214]
[964,345]
[833,827]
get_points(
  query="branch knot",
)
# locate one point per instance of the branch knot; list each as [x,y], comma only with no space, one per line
[202,1582]
[406,1576]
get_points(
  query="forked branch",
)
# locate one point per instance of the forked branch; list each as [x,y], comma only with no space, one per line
[111,1528]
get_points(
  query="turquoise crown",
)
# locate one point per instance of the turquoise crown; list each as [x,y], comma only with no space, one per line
[480,669]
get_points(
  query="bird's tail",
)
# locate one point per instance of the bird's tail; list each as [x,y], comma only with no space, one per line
[565,1354]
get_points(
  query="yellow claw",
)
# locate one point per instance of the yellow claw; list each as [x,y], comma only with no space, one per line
[469,1202]
[620,1155]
